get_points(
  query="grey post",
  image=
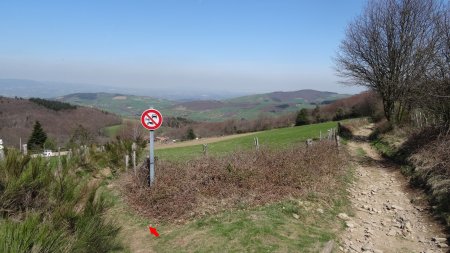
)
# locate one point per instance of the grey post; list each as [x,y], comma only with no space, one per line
[59,157]
[152,159]
[25,149]
[127,158]
[2,154]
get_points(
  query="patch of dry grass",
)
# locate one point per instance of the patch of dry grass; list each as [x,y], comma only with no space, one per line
[242,179]
[431,161]
[347,128]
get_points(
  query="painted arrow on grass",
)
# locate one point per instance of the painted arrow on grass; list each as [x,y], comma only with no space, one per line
[153,231]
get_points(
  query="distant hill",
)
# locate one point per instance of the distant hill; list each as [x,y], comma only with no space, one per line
[125,105]
[248,107]
[51,89]
[17,117]
[30,88]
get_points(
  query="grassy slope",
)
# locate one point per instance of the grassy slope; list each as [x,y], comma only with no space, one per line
[112,131]
[131,106]
[268,228]
[273,138]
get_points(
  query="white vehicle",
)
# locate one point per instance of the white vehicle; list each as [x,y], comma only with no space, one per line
[47,153]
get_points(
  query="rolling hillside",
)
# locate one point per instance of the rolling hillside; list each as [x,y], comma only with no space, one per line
[248,107]
[17,117]
[126,105]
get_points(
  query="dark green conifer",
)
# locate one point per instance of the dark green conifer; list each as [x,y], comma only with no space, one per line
[37,138]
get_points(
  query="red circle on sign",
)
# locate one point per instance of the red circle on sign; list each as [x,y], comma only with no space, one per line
[151,119]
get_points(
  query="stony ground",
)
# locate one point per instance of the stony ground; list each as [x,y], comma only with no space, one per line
[388,215]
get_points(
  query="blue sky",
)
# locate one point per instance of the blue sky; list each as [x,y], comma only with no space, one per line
[239,45]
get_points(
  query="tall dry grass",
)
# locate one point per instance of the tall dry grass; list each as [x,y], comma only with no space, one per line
[430,157]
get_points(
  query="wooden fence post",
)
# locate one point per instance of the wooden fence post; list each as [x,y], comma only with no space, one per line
[133,148]
[205,149]
[256,143]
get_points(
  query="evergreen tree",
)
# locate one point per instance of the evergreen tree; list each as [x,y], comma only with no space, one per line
[37,138]
[302,118]
[316,114]
[190,135]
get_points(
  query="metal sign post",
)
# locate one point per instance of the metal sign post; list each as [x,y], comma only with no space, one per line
[152,157]
[151,119]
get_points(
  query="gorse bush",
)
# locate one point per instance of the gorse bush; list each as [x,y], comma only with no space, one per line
[31,235]
[22,184]
[116,151]
[49,208]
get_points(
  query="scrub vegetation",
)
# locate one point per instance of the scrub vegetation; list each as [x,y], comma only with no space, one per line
[46,207]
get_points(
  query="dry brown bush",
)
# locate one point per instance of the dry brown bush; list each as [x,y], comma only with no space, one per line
[212,184]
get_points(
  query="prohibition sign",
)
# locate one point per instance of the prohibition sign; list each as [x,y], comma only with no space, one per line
[151,119]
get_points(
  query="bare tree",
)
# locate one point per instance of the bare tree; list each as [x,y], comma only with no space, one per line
[436,99]
[390,49]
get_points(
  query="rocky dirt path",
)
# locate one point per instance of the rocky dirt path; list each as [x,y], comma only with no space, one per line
[388,215]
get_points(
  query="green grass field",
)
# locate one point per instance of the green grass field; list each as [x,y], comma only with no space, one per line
[112,131]
[275,138]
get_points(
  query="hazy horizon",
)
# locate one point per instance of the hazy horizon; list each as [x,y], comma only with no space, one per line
[212,46]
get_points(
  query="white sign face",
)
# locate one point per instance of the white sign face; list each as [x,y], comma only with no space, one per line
[1,142]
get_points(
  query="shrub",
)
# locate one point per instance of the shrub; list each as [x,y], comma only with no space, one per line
[49,208]
[210,184]
[31,235]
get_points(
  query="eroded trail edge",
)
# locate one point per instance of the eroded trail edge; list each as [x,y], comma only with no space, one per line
[388,215]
